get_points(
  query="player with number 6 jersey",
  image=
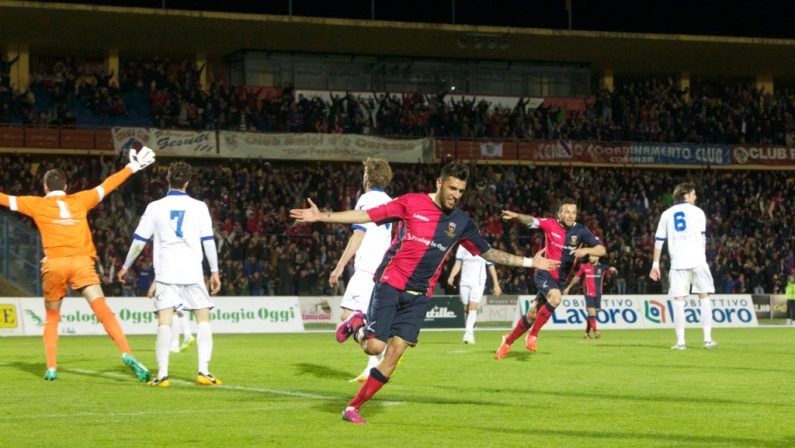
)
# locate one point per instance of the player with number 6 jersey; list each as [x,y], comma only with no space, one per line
[684,227]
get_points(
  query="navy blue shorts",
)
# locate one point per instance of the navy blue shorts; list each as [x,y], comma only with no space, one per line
[396,313]
[545,282]
[593,302]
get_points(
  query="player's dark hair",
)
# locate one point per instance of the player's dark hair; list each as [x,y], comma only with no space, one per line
[456,169]
[379,173]
[567,201]
[178,174]
[682,189]
[55,179]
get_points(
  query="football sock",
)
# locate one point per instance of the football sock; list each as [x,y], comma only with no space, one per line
[472,317]
[356,324]
[175,329]
[518,330]
[679,321]
[544,314]
[706,318]
[185,322]
[373,384]
[51,336]
[111,325]
[592,323]
[162,346]
[204,343]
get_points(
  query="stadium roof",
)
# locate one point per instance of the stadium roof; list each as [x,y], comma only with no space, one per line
[78,29]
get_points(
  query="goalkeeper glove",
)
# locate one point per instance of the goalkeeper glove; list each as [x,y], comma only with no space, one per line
[141,159]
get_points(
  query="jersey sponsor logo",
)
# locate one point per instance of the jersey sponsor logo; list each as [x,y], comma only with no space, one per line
[66,222]
[425,241]
[450,232]
[421,218]
[556,235]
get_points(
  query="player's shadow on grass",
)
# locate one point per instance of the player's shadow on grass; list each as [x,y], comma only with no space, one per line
[321,371]
[33,368]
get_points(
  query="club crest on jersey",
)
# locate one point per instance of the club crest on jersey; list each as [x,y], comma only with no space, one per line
[573,240]
[450,232]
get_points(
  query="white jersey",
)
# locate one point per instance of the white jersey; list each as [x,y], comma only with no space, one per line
[376,238]
[179,224]
[684,227]
[473,268]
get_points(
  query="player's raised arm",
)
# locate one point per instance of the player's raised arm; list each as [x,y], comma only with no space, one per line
[538,261]
[138,160]
[508,215]
[312,214]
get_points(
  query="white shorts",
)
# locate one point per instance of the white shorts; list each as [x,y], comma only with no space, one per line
[182,297]
[358,292]
[681,280]
[471,293]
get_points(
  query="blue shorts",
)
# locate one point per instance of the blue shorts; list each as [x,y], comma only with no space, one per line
[545,282]
[593,302]
[396,313]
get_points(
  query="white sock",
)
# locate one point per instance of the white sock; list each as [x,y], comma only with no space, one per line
[372,361]
[186,333]
[472,317]
[175,332]
[162,349]
[204,342]
[679,321]
[706,318]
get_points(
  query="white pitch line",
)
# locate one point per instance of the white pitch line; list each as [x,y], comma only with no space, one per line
[288,393]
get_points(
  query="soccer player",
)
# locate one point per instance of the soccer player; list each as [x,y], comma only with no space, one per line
[429,226]
[181,226]
[70,255]
[369,242]
[473,270]
[592,275]
[566,240]
[684,227]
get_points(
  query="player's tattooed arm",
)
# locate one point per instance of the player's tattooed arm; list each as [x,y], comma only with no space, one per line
[499,257]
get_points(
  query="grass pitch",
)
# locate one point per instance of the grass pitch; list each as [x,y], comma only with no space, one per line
[627,389]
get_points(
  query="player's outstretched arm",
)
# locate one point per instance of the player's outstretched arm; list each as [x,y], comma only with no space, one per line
[312,214]
[597,251]
[508,215]
[538,261]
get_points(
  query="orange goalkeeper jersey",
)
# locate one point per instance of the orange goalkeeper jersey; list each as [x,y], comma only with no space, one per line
[62,218]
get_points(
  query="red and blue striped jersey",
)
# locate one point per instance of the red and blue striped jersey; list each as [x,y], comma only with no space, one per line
[593,276]
[560,242]
[425,237]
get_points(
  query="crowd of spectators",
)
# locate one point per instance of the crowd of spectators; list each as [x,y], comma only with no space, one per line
[649,110]
[750,239]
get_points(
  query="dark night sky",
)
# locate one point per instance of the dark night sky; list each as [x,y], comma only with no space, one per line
[774,18]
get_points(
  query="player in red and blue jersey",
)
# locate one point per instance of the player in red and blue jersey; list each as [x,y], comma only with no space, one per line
[429,226]
[565,240]
[592,275]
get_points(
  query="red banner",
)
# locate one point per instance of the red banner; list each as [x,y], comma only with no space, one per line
[762,155]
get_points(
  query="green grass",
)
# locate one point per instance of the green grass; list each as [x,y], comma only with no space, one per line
[625,390]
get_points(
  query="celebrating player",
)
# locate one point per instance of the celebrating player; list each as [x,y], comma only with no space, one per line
[70,255]
[429,226]
[181,225]
[566,240]
[471,285]
[592,275]
[684,226]
[369,242]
